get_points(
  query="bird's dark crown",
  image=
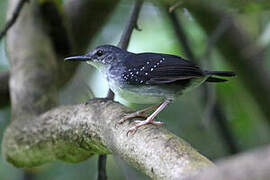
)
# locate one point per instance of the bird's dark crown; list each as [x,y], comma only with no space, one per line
[106,54]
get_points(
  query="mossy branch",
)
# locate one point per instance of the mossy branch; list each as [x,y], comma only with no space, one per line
[74,133]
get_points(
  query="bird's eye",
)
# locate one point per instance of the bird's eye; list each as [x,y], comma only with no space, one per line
[99,53]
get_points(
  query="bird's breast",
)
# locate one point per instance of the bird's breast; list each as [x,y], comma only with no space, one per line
[137,94]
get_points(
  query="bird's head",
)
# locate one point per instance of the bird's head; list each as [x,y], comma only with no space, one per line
[101,56]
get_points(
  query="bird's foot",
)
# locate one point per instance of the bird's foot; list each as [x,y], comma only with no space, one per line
[138,114]
[149,120]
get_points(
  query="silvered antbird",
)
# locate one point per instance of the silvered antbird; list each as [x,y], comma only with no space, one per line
[147,78]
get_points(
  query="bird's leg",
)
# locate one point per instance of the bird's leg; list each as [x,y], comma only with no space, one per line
[140,113]
[150,119]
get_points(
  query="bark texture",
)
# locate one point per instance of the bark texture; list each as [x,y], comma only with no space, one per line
[33,66]
[74,133]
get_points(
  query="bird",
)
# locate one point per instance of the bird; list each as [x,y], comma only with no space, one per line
[148,78]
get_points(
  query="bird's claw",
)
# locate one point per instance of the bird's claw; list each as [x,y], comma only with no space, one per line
[157,123]
[137,114]
[142,123]
[138,121]
[132,130]
[122,120]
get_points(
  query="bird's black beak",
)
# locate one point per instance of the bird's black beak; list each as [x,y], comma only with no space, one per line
[78,58]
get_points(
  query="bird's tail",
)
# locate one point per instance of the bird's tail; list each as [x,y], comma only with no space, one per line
[218,73]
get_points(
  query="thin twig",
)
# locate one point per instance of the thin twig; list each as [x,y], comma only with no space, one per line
[175,6]
[13,19]
[110,94]
[4,88]
[218,114]
[215,109]
[215,36]
[205,58]
[248,166]
[132,23]
[224,129]
[123,44]
[102,167]
[124,41]
[177,26]
[28,175]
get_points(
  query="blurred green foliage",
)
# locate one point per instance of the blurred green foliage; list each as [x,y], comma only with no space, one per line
[185,116]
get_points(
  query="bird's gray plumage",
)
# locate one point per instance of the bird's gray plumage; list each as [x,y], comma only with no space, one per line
[147,78]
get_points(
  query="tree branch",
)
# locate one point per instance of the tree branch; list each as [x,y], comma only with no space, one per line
[4,89]
[180,34]
[132,23]
[56,30]
[79,35]
[224,129]
[248,166]
[33,68]
[124,41]
[74,133]
[102,175]
[13,19]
